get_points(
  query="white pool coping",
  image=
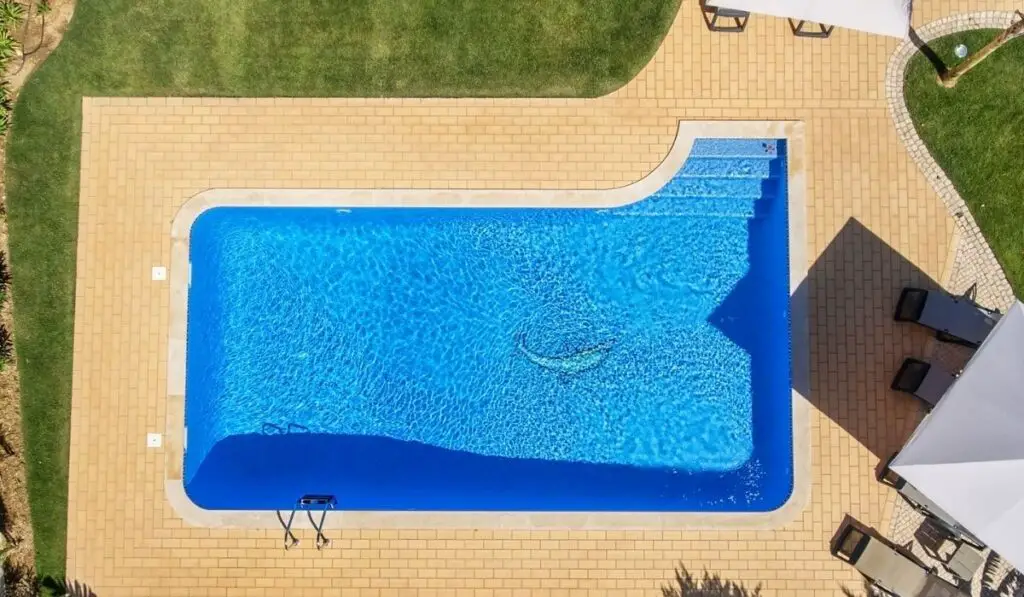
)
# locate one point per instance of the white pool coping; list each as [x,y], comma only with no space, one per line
[688,131]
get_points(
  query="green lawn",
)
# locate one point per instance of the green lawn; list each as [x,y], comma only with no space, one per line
[258,48]
[975,131]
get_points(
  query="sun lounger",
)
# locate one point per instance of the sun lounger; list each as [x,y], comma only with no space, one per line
[955,319]
[922,504]
[965,561]
[923,380]
[713,13]
[888,567]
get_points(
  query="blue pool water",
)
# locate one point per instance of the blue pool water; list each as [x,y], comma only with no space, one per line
[632,359]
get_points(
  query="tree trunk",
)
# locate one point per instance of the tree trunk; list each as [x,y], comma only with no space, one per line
[951,76]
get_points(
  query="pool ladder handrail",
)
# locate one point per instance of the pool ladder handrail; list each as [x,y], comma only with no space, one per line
[309,503]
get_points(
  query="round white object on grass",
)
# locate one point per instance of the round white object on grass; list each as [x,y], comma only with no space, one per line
[961,51]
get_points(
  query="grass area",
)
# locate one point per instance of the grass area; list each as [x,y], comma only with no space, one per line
[258,48]
[975,132]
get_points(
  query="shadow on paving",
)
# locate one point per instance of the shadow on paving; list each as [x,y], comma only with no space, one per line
[21,581]
[998,580]
[934,546]
[708,585]
[855,346]
[868,590]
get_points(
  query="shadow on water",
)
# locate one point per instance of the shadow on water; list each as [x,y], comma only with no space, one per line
[868,589]
[275,429]
[708,585]
[270,472]
[753,316]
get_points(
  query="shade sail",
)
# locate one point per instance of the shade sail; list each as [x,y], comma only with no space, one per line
[884,17]
[967,455]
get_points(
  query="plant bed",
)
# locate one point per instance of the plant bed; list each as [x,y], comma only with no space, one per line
[975,132]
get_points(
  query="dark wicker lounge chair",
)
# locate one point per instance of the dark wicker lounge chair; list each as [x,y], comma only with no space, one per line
[955,319]
[889,567]
[924,380]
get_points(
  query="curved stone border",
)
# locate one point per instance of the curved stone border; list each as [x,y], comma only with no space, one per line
[975,260]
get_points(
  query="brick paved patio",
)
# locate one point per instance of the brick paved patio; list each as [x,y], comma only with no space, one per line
[874,224]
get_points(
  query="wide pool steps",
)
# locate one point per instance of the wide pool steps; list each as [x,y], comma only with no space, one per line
[687,186]
[732,167]
[721,178]
[724,207]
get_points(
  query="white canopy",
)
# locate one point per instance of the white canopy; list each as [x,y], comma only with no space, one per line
[884,17]
[967,456]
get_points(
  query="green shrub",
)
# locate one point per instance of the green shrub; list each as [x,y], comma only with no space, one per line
[12,13]
[8,46]
[5,115]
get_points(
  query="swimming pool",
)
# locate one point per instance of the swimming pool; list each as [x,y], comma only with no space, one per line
[540,359]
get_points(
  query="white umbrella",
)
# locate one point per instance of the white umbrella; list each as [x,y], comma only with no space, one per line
[967,456]
[884,17]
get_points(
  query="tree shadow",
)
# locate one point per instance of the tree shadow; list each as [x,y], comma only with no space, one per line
[868,591]
[66,587]
[937,63]
[708,585]
[21,581]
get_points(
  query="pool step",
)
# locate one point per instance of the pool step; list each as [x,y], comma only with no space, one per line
[688,186]
[735,178]
[724,207]
[722,167]
[731,148]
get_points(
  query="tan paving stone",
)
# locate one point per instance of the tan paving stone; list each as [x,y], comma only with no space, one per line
[873,225]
